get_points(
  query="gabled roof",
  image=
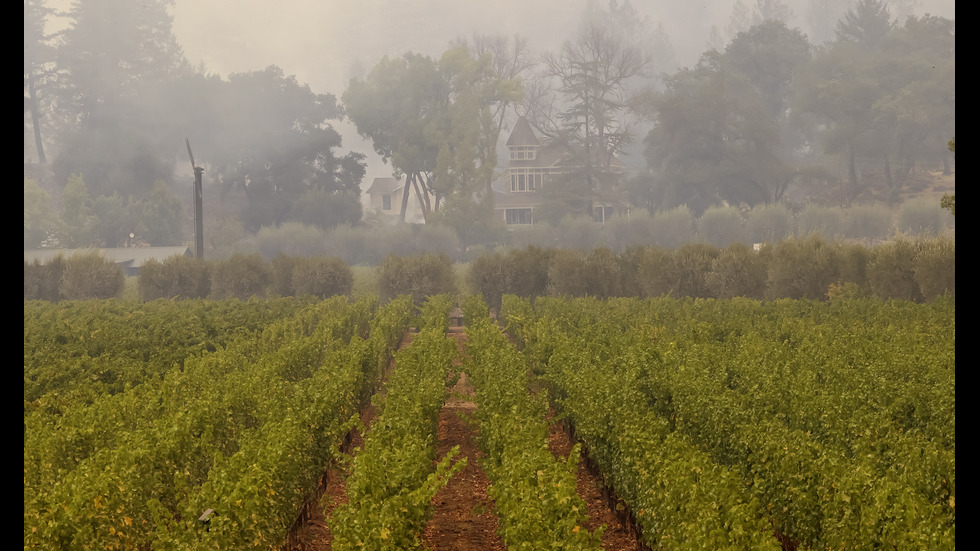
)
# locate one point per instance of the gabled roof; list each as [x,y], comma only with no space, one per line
[384,185]
[522,134]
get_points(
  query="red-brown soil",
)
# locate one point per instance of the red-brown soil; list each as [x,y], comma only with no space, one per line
[463,518]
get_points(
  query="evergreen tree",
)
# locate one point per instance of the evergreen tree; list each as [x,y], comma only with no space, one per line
[866,23]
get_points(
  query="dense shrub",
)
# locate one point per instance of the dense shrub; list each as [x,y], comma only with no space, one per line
[242,276]
[826,221]
[91,276]
[419,276]
[282,270]
[629,262]
[474,223]
[290,238]
[769,224]
[690,268]
[404,240]
[935,267]
[347,242]
[854,259]
[529,269]
[655,268]
[672,228]
[721,226]
[802,268]
[891,270]
[437,240]
[738,271]
[566,277]
[30,280]
[176,276]
[490,275]
[867,222]
[540,235]
[601,273]
[576,232]
[43,281]
[624,231]
[322,277]
[152,282]
[192,276]
[326,209]
[923,216]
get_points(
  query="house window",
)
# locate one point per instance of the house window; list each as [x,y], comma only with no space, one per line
[518,216]
[386,202]
[527,179]
[523,153]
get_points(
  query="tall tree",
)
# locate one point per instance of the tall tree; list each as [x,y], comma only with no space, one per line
[770,53]
[114,58]
[715,140]
[39,219]
[594,116]
[770,10]
[821,18]
[114,49]
[284,148]
[393,106]
[468,155]
[866,23]
[77,218]
[838,88]
[433,121]
[511,61]
[917,110]
[740,19]
[38,67]
[886,106]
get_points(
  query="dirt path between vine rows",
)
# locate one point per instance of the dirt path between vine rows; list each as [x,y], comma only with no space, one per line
[463,518]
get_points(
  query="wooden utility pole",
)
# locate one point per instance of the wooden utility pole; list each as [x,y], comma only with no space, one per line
[198,203]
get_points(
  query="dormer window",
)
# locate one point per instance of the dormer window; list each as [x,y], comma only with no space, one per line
[523,153]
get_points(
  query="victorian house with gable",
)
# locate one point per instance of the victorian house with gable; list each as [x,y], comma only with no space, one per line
[533,166]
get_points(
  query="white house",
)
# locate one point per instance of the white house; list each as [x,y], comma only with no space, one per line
[385,201]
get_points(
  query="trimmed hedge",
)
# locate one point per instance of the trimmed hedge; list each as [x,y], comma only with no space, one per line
[242,276]
[91,276]
[419,276]
[175,277]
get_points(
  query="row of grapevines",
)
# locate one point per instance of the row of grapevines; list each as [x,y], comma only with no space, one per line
[55,442]
[819,374]
[893,489]
[396,475]
[220,405]
[869,380]
[678,496]
[534,493]
[79,350]
[256,492]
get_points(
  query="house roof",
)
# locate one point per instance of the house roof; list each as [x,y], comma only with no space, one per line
[129,257]
[522,134]
[384,185]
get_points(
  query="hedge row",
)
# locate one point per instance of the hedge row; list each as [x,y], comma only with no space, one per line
[807,268]
[92,276]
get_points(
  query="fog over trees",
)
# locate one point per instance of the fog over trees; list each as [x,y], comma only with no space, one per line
[294,109]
